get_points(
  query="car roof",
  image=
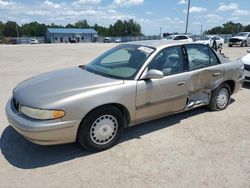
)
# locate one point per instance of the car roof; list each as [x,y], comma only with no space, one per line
[159,43]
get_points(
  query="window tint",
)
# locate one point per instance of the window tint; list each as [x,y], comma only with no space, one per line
[120,56]
[169,61]
[213,58]
[198,56]
[177,38]
[183,37]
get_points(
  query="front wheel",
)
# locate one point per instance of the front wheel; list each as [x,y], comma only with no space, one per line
[220,98]
[101,128]
[244,44]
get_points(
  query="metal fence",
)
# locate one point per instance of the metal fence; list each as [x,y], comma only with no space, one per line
[129,38]
[26,40]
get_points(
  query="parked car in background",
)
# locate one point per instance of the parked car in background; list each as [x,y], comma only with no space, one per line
[118,40]
[242,39]
[246,61]
[107,39]
[183,38]
[129,84]
[72,41]
[209,40]
[34,41]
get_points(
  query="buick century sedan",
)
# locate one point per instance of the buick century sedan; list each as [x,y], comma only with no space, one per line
[127,85]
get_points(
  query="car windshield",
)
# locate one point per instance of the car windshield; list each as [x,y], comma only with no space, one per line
[241,35]
[121,62]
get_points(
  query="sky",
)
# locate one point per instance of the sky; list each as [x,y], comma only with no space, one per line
[153,15]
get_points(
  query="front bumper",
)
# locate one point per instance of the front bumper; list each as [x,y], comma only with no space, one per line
[247,75]
[42,132]
[235,42]
[247,72]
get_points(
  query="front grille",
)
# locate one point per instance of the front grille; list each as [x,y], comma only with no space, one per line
[247,78]
[16,104]
[247,67]
[235,40]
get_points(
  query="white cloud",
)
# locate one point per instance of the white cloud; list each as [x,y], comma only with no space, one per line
[228,7]
[241,12]
[121,3]
[213,18]
[88,1]
[7,4]
[183,2]
[112,11]
[51,4]
[195,10]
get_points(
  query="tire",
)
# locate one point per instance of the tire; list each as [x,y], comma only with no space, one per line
[244,44]
[230,45]
[101,128]
[220,98]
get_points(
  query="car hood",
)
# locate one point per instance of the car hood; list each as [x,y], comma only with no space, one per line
[246,59]
[240,37]
[203,41]
[49,87]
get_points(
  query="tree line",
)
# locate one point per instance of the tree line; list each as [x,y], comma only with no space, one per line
[35,29]
[229,28]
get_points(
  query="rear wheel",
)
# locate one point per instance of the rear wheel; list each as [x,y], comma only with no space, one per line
[101,128]
[230,45]
[220,98]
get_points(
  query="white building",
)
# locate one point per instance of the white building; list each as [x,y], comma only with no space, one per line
[65,35]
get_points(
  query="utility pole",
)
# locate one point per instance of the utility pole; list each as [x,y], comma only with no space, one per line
[17,33]
[187,16]
[160,32]
[201,30]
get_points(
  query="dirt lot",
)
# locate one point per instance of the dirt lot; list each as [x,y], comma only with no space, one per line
[192,149]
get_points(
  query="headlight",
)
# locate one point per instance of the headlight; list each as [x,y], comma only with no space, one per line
[42,114]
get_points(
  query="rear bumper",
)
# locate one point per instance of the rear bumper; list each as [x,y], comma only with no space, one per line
[42,132]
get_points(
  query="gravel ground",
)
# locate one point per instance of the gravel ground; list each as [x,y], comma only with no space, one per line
[198,148]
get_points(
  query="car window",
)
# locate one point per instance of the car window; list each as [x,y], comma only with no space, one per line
[177,38]
[249,35]
[169,61]
[121,62]
[183,37]
[120,56]
[198,56]
[213,58]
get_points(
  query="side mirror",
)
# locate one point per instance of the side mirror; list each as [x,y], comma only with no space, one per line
[248,50]
[153,74]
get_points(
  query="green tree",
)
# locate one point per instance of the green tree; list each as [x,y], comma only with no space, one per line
[227,28]
[10,29]
[1,28]
[34,29]
[247,28]
[70,26]
[82,24]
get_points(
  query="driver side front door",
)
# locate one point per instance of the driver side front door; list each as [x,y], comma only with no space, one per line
[158,97]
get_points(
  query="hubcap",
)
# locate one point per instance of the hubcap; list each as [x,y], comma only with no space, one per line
[222,98]
[104,129]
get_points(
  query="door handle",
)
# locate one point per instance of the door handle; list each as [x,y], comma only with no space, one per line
[181,83]
[217,74]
